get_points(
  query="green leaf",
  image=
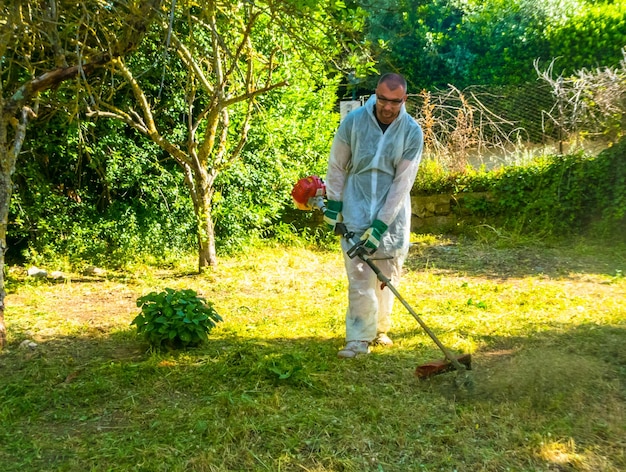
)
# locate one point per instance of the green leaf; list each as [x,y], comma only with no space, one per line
[175,315]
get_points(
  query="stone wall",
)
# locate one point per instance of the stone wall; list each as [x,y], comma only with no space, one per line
[441,213]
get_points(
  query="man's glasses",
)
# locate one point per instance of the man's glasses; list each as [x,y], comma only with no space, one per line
[394,102]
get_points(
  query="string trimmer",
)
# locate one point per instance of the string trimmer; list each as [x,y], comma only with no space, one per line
[308,194]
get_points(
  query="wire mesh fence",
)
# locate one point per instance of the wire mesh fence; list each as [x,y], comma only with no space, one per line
[484,125]
[495,126]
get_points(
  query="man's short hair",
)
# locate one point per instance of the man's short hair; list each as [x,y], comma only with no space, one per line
[393,81]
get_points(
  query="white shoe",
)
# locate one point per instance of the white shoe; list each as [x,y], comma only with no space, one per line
[353,349]
[382,340]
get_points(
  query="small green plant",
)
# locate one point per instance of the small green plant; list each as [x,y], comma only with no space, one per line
[175,318]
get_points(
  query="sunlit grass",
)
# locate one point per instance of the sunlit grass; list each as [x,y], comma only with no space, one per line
[545,325]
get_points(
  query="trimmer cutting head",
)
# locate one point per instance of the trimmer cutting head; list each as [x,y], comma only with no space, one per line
[439,367]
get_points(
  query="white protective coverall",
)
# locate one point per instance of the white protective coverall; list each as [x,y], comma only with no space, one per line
[372,173]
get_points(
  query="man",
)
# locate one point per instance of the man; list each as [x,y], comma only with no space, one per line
[373,162]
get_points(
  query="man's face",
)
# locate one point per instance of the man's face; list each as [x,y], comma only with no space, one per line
[389,102]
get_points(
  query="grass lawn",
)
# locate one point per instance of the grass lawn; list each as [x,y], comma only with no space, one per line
[546,326]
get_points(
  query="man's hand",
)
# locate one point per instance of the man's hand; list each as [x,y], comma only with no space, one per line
[332,214]
[371,237]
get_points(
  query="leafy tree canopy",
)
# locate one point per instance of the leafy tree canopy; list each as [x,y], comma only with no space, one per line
[471,42]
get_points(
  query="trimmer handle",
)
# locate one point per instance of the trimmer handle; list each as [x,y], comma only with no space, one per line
[358,248]
[342,230]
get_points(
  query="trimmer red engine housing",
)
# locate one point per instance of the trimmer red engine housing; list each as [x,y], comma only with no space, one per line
[306,191]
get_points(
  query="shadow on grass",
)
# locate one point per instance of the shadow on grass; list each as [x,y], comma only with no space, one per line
[511,366]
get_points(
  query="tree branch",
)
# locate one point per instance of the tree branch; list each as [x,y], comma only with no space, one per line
[134,32]
[189,61]
[49,80]
[146,123]
[253,93]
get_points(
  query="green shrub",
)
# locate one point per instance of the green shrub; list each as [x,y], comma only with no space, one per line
[563,194]
[593,36]
[549,196]
[433,177]
[175,318]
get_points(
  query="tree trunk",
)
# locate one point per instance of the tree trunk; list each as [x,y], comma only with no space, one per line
[206,232]
[206,242]
[8,153]
[5,195]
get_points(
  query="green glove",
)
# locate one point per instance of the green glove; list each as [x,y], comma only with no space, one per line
[372,236]
[332,214]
